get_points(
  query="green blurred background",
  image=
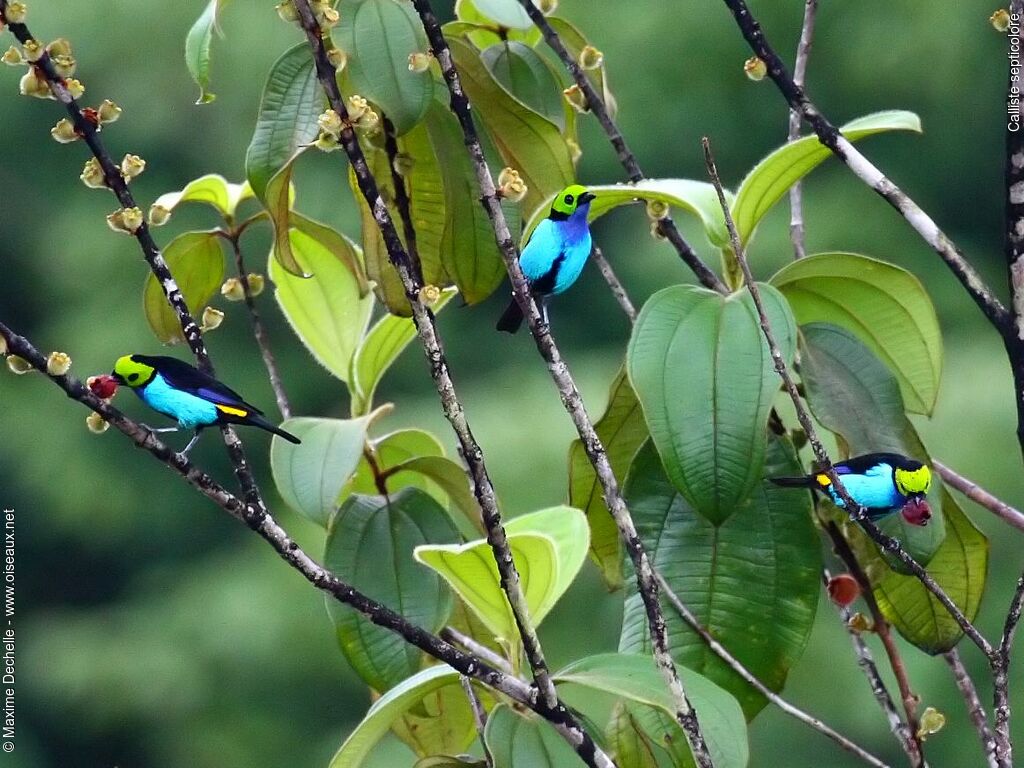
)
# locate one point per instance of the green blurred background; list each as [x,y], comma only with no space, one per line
[153,630]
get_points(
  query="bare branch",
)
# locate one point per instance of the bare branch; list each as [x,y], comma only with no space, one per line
[452,635]
[1001,678]
[479,717]
[979,495]
[571,399]
[965,685]
[618,290]
[796,204]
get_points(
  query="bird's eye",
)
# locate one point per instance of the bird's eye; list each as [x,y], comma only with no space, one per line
[568,199]
[133,377]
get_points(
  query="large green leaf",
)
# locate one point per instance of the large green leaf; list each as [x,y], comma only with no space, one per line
[370,545]
[635,677]
[753,581]
[211,189]
[378,351]
[507,13]
[197,263]
[696,197]
[549,548]
[885,306]
[310,476]
[483,31]
[424,183]
[524,75]
[454,481]
[526,141]
[630,746]
[702,371]
[440,724]
[391,450]
[622,431]
[378,36]
[519,740]
[771,178]
[197,49]
[855,396]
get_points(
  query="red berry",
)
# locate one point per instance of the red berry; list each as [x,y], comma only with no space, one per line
[103,386]
[843,589]
[916,512]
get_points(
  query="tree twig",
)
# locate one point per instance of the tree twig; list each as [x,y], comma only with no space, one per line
[479,717]
[979,495]
[803,52]
[722,652]
[452,635]
[618,290]
[1001,679]
[1013,226]
[571,399]
[975,710]
[857,513]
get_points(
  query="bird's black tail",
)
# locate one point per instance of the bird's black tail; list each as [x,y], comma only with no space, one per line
[259,421]
[794,482]
[512,318]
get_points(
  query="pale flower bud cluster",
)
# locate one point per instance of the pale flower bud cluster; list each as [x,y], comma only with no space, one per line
[127,220]
[576,98]
[419,61]
[58,363]
[755,69]
[511,185]
[15,13]
[64,131]
[591,58]
[212,318]
[132,166]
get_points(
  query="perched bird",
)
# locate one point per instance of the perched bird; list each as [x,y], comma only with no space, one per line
[193,398]
[879,482]
[556,253]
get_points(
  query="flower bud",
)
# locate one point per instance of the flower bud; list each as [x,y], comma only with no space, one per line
[212,318]
[419,61]
[356,106]
[64,64]
[92,174]
[3,345]
[511,185]
[34,84]
[1000,20]
[575,150]
[75,88]
[15,13]
[932,721]
[59,47]
[325,142]
[329,18]
[368,122]
[287,11]
[108,112]
[12,57]
[656,232]
[34,50]
[19,365]
[330,122]
[256,283]
[590,57]
[657,210]
[232,289]
[64,131]
[159,215]
[132,166]
[125,220]
[547,7]
[58,363]
[429,295]
[404,164]
[860,623]
[96,423]
[576,98]
[338,58]
[755,69]
[104,386]
[843,589]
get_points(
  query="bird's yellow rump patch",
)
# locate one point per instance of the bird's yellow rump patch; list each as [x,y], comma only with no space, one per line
[909,481]
[823,480]
[232,411]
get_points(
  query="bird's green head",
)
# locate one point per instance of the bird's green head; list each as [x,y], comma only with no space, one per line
[569,199]
[914,479]
[131,371]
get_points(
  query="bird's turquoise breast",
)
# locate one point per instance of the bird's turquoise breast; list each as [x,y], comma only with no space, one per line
[189,410]
[568,241]
[873,489]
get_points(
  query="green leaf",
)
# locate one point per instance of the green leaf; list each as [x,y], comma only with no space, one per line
[482,31]
[212,189]
[325,310]
[507,13]
[279,198]
[549,548]
[636,678]
[753,581]
[451,761]
[453,480]
[378,351]
[441,723]
[622,431]
[310,476]
[519,740]
[771,178]
[197,263]
[696,197]
[370,544]
[702,371]
[424,184]
[885,306]
[851,393]
[526,77]
[630,746]
[526,141]
[390,451]
[197,49]
[346,251]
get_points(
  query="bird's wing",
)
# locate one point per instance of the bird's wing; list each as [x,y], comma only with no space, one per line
[543,250]
[862,464]
[183,376]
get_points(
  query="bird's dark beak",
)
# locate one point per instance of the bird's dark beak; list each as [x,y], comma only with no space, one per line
[586,197]
[118,378]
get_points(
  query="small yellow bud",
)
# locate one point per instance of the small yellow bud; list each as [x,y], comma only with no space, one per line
[547,7]
[656,232]
[75,88]
[356,106]
[325,142]
[58,363]
[256,283]
[59,47]
[64,64]
[932,721]
[19,365]
[755,69]
[159,215]
[368,122]
[1000,20]
[576,98]
[657,210]
[429,295]
[575,150]
[404,164]
[212,318]
[96,423]
[419,61]
[232,289]
[3,345]
[12,57]
[34,84]
[511,185]
[132,166]
[338,58]
[108,112]
[328,18]
[15,13]
[64,131]
[125,220]
[330,122]
[287,11]
[34,50]
[860,623]
[591,58]
[92,174]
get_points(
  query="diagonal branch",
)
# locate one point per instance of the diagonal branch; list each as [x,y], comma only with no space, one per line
[829,135]
[980,496]
[796,201]
[617,288]
[1001,678]
[571,399]
[596,105]
[965,685]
